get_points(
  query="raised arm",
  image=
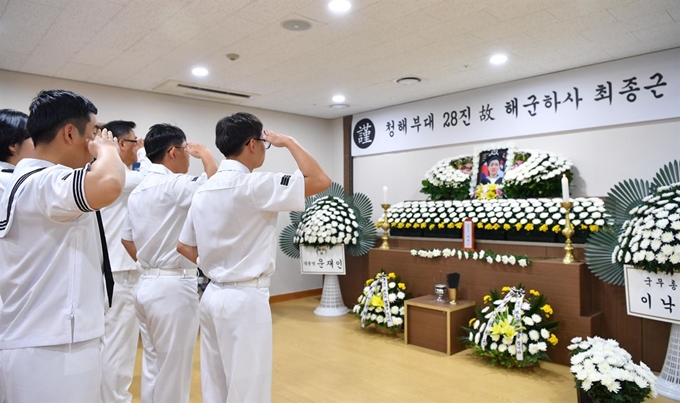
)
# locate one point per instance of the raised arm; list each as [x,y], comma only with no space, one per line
[106,178]
[205,155]
[316,179]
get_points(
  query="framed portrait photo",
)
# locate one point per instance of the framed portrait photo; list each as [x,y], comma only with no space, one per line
[492,165]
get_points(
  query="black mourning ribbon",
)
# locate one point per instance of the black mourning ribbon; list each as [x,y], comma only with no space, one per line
[106,264]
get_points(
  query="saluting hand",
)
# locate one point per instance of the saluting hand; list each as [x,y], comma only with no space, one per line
[197,150]
[101,141]
[277,139]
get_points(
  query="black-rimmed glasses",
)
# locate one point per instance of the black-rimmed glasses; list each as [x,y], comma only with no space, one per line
[182,147]
[266,143]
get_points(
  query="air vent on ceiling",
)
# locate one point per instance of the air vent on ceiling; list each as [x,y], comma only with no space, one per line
[173,87]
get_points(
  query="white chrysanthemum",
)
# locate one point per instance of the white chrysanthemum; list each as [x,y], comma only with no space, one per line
[536,318]
[545,333]
[502,348]
[533,335]
[392,297]
[475,324]
[533,349]
[394,310]
[401,295]
[528,321]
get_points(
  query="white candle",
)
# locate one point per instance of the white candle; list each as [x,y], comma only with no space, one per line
[565,188]
[384,194]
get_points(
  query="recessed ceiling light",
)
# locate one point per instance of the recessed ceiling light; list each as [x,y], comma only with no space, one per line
[339,106]
[339,6]
[338,99]
[408,80]
[498,59]
[296,25]
[199,71]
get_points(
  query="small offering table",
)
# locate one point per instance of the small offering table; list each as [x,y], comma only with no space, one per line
[436,325]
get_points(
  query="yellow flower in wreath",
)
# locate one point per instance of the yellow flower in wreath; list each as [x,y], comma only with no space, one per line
[401,286]
[459,225]
[377,301]
[390,276]
[471,322]
[553,339]
[506,226]
[505,289]
[593,228]
[487,299]
[547,309]
[400,225]
[534,293]
[450,225]
[480,225]
[556,228]
[529,227]
[369,281]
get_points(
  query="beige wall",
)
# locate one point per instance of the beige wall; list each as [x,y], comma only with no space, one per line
[197,119]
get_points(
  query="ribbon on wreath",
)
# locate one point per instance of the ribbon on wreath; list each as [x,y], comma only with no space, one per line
[518,294]
[381,280]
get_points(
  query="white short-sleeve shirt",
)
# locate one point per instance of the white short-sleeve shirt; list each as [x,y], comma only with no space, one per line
[232,220]
[5,175]
[156,212]
[113,217]
[50,253]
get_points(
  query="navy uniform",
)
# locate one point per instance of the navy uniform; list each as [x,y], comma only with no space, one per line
[232,222]
[51,285]
[166,299]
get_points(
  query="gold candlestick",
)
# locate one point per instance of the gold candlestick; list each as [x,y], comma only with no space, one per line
[386,228]
[568,232]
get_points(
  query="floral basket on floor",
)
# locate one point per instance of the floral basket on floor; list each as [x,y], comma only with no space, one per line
[512,328]
[607,373]
[382,302]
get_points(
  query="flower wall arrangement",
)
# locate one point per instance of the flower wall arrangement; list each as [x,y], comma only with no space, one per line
[449,179]
[512,329]
[528,174]
[484,256]
[538,175]
[382,302]
[540,215]
[331,218]
[607,373]
[651,238]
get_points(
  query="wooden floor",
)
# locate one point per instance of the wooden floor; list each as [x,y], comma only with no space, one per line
[333,360]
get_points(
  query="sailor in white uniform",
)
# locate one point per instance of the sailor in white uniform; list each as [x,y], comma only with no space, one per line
[119,343]
[15,144]
[52,258]
[166,299]
[232,227]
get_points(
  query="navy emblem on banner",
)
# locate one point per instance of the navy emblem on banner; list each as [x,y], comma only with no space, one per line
[364,133]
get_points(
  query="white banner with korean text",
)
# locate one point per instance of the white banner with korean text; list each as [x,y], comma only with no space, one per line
[637,89]
[653,296]
[322,260]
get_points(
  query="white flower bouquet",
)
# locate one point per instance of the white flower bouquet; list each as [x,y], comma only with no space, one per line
[382,302]
[607,373]
[512,328]
[328,221]
[449,178]
[331,218]
[535,173]
[650,240]
[481,255]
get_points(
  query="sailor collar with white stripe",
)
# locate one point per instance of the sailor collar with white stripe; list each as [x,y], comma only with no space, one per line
[6,166]
[233,165]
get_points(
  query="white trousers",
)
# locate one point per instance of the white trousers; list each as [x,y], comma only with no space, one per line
[167,309]
[236,345]
[67,373]
[119,343]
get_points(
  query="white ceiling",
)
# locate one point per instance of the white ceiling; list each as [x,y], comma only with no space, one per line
[140,44]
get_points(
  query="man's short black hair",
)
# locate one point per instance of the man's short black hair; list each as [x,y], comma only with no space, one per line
[53,109]
[233,132]
[119,127]
[12,131]
[160,138]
